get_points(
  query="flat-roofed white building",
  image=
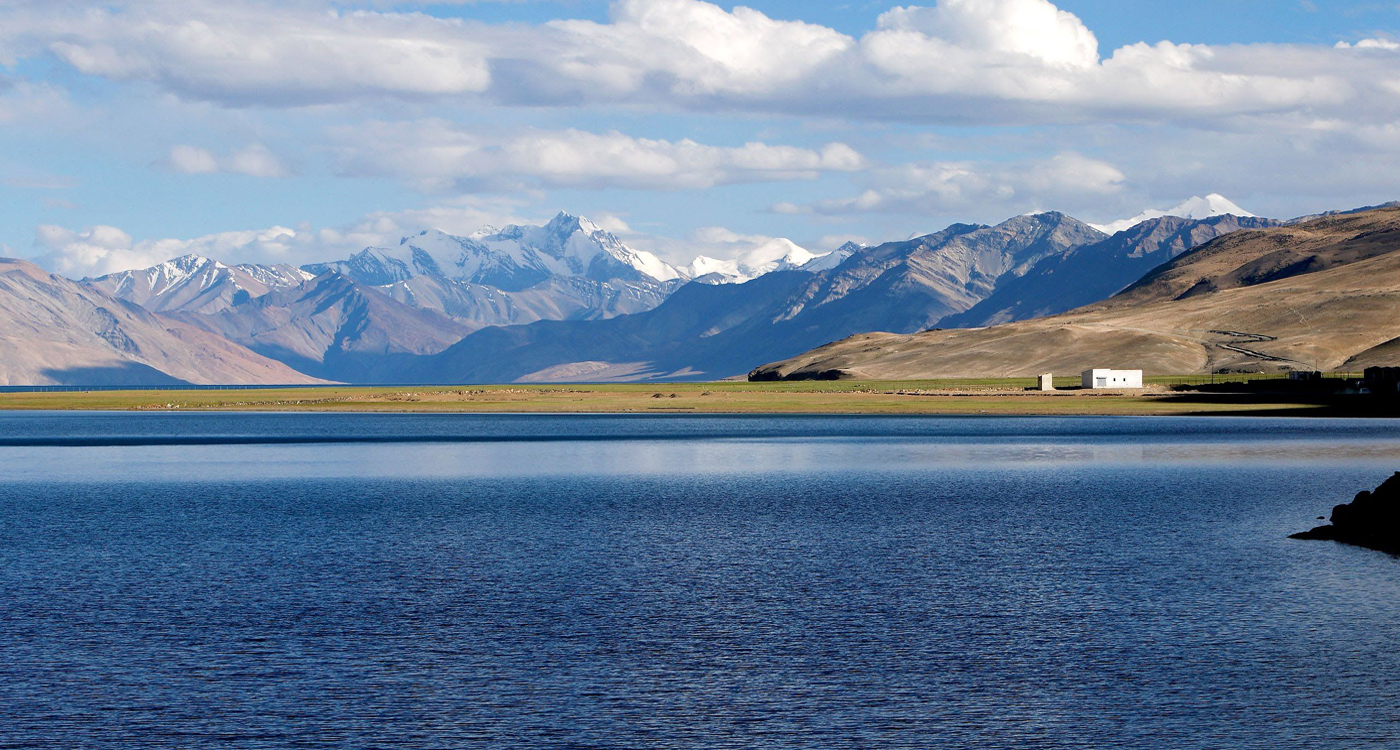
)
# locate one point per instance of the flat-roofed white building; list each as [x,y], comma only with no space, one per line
[1099,379]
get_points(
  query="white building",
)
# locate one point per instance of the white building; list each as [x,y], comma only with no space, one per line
[1112,379]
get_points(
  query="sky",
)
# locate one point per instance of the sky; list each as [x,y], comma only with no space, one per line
[133,131]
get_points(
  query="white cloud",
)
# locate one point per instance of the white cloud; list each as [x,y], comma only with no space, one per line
[434,156]
[1002,30]
[716,249]
[30,180]
[947,188]
[191,160]
[698,48]
[100,250]
[71,253]
[1382,44]
[1073,173]
[254,161]
[833,241]
[28,102]
[244,54]
[955,61]
[611,223]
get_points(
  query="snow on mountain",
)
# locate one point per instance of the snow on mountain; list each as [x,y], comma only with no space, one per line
[775,254]
[195,283]
[518,257]
[832,259]
[513,258]
[1196,207]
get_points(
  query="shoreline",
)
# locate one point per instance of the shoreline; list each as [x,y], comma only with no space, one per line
[947,398]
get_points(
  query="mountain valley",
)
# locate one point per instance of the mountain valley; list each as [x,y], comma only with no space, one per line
[567,300]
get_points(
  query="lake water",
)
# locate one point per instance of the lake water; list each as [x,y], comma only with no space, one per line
[274,581]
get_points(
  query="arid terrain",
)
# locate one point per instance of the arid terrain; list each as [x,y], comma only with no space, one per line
[1165,396]
[1323,294]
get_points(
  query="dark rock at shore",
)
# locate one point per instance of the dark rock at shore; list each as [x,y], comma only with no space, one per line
[1372,520]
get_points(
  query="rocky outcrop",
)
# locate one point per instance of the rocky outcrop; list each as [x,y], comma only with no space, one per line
[1372,520]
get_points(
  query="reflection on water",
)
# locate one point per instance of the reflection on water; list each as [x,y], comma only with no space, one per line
[446,460]
[215,446]
[537,582]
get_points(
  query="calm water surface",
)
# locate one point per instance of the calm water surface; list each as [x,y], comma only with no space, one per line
[273,581]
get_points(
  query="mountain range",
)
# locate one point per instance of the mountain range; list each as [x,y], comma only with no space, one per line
[199,285]
[59,331]
[509,259]
[1316,294]
[1194,207]
[568,300]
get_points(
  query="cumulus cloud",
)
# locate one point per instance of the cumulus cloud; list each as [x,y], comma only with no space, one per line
[955,61]
[100,250]
[1381,44]
[191,160]
[435,156]
[945,188]
[254,161]
[691,48]
[1004,29]
[244,54]
[1073,174]
[73,253]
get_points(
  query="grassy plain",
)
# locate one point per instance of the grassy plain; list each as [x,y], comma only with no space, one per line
[963,396]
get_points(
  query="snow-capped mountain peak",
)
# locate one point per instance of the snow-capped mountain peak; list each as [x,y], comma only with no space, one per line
[1195,207]
[566,224]
[518,256]
[196,283]
[511,258]
[176,270]
[1214,204]
[832,259]
[776,254]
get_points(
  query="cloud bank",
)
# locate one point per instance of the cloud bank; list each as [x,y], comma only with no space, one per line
[955,61]
[436,156]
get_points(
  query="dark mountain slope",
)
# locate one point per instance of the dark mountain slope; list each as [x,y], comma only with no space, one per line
[1255,257]
[1096,271]
[706,332]
[1320,294]
[334,328]
[702,331]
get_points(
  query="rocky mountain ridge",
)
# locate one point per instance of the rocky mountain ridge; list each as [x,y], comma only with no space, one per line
[1320,294]
[425,323]
[61,332]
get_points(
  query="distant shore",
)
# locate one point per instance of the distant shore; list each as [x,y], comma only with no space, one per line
[1008,397]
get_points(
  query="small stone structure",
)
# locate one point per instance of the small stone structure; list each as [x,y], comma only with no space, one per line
[1047,382]
[1100,379]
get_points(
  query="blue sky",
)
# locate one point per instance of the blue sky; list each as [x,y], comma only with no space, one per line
[301,130]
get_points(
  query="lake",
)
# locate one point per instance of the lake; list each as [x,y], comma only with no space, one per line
[299,580]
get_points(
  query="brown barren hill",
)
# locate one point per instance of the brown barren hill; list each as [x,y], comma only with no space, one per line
[57,331]
[1321,294]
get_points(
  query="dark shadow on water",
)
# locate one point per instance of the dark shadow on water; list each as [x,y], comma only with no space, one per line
[130,373]
[1286,405]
